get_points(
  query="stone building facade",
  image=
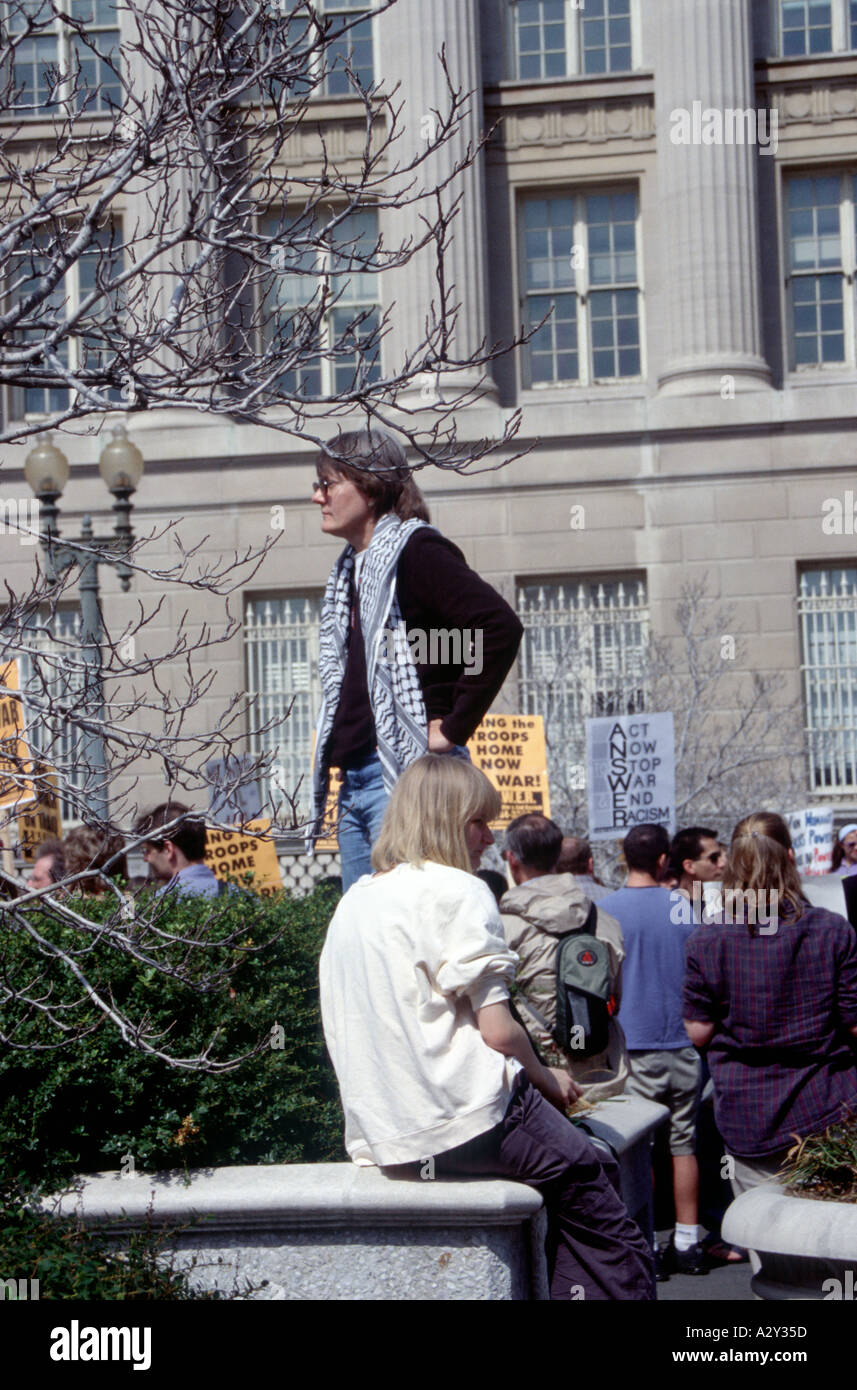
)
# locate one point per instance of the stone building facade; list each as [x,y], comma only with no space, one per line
[677,181]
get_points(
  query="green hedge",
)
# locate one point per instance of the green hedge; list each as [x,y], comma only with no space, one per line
[84,1107]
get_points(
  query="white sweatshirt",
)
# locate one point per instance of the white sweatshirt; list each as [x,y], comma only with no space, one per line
[409,956]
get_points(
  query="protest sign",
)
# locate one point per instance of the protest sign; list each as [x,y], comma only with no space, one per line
[232,854]
[812,839]
[41,820]
[510,749]
[327,839]
[14,755]
[630,773]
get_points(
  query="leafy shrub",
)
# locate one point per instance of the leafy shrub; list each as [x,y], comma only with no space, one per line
[71,1262]
[90,1105]
[825,1165]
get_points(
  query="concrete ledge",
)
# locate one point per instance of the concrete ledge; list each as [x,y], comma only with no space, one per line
[335,1231]
[291,1196]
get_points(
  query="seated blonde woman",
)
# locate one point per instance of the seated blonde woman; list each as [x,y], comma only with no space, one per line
[415,980]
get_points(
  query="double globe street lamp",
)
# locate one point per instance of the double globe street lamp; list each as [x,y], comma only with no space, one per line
[47,471]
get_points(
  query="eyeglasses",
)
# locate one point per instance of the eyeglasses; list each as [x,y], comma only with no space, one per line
[323,485]
[715,856]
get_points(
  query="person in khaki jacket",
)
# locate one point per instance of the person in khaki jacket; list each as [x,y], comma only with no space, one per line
[536,913]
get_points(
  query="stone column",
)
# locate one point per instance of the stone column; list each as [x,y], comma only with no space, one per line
[411,35]
[707,194]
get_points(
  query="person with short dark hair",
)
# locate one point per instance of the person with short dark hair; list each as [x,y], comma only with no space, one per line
[543,907]
[575,858]
[176,856]
[663,1067]
[696,857]
[48,865]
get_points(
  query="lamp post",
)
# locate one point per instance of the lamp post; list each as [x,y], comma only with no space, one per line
[47,472]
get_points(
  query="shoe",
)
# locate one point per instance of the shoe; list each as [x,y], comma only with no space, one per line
[719,1252]
[662,1274]
[690,1261]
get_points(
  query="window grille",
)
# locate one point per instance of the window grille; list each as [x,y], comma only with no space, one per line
[281,640]
[827,609]
[583,655]
[52,676]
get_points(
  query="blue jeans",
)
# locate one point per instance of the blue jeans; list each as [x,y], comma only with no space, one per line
[362,802]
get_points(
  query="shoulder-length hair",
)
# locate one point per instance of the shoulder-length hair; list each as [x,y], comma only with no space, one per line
[759,859]
[376,462]
[428,811]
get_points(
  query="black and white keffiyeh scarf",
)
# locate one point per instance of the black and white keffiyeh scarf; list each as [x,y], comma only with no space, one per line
[395,693]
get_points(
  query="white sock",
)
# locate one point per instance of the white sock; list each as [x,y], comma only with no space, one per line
[685,1236]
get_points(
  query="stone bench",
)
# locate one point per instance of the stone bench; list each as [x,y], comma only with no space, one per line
[335,1231]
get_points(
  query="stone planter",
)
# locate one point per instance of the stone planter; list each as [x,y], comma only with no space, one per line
[807,1248]
[338,1232]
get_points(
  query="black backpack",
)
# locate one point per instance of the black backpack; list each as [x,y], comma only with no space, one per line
[584,1000]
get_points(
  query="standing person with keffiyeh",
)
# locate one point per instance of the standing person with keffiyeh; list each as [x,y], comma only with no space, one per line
[414,646]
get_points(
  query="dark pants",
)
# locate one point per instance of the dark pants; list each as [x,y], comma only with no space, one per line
[594,1250]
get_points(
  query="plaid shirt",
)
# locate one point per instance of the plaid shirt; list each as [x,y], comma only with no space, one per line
[782,1061]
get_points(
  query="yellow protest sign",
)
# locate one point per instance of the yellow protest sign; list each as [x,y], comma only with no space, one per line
[232,854]
[41,821]
[14,755]
[510,749]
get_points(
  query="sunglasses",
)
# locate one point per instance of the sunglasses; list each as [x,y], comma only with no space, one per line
[323,485]
[715,856]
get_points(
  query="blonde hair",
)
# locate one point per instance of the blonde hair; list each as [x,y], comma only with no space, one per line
[759,859]
[429,809]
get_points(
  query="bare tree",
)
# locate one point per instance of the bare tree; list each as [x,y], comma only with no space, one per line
[738,742]
[211,274]
[169,188]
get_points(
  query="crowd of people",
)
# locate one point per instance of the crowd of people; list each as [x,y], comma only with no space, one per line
[615,993]
[421,960]
[88,861]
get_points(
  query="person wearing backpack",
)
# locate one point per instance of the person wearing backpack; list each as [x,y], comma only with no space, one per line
[569,980]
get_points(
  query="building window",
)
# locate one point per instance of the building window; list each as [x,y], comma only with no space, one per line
[806,27]
[51,681]
[562,38]
[580,267]
[809,28]
[62,61]
[822,264]
[827,608]
[351,24]
[96,265]
[281,642]
[336,350]
[582,656]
